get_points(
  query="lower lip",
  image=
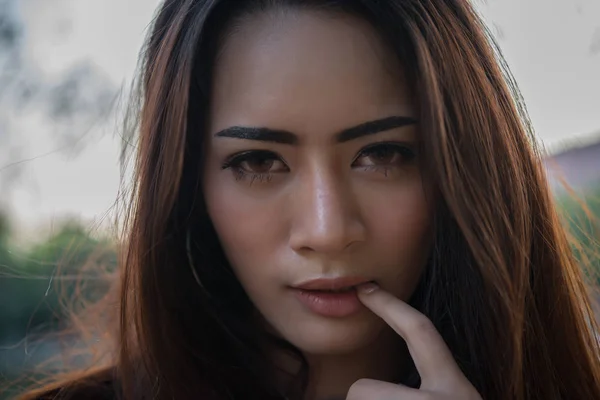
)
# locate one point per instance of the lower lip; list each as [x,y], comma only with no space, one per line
[330,304]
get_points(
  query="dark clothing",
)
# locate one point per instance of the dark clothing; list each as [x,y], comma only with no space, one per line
[95,391]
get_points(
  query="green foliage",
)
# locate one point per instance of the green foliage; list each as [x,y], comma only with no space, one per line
[5,257]
[69,249]
[39,288]
[36,288]
[581,217]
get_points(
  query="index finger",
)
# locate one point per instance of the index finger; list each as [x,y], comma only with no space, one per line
[432,357]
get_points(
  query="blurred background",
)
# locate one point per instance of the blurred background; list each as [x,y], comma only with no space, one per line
[65,71]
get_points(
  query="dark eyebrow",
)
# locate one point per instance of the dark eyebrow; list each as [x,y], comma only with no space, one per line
[372,127]
[285,137]
[260,134]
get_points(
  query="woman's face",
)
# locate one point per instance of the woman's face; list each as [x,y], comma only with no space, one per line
[311,175]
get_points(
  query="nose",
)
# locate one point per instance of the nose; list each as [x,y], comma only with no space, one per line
[326,216]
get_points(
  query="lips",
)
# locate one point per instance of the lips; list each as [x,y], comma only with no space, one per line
[332,298]
[332,284]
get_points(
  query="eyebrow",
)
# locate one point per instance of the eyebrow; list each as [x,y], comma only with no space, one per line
[286,137]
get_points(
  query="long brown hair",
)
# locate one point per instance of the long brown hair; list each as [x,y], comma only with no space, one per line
[501,285]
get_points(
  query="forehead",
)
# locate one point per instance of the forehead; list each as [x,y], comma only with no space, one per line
[307,72]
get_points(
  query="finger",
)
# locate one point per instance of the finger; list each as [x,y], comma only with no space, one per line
[369,389]
[433,359]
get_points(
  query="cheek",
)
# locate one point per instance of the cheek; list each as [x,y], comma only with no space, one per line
[250,229]
[400,228]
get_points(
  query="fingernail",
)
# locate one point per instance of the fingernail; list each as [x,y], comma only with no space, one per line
[368,288]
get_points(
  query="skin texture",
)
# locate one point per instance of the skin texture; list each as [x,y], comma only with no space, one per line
[317,208]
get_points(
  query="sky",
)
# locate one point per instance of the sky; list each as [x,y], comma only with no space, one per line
[547,44]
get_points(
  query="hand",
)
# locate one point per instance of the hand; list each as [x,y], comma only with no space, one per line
[441,378]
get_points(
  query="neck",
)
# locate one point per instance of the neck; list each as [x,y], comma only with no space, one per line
[332,375]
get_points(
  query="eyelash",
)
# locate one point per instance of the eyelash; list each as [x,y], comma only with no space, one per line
[406,152]
[234,162]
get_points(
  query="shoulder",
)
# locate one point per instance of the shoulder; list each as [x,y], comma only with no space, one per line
[96,386]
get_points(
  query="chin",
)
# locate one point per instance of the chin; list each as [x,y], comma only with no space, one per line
[330,336]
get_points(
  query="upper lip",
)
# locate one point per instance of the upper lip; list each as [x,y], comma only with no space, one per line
[332,283]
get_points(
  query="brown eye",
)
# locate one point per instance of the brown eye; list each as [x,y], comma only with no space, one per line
[259,164]
[384,154]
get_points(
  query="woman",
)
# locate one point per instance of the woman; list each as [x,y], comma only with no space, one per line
[340,200]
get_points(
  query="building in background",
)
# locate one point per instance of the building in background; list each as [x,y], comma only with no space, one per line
[578,166]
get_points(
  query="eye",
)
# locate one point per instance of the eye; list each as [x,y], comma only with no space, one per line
[385,155]
[258,165]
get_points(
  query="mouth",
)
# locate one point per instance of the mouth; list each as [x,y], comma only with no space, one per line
[332,298]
